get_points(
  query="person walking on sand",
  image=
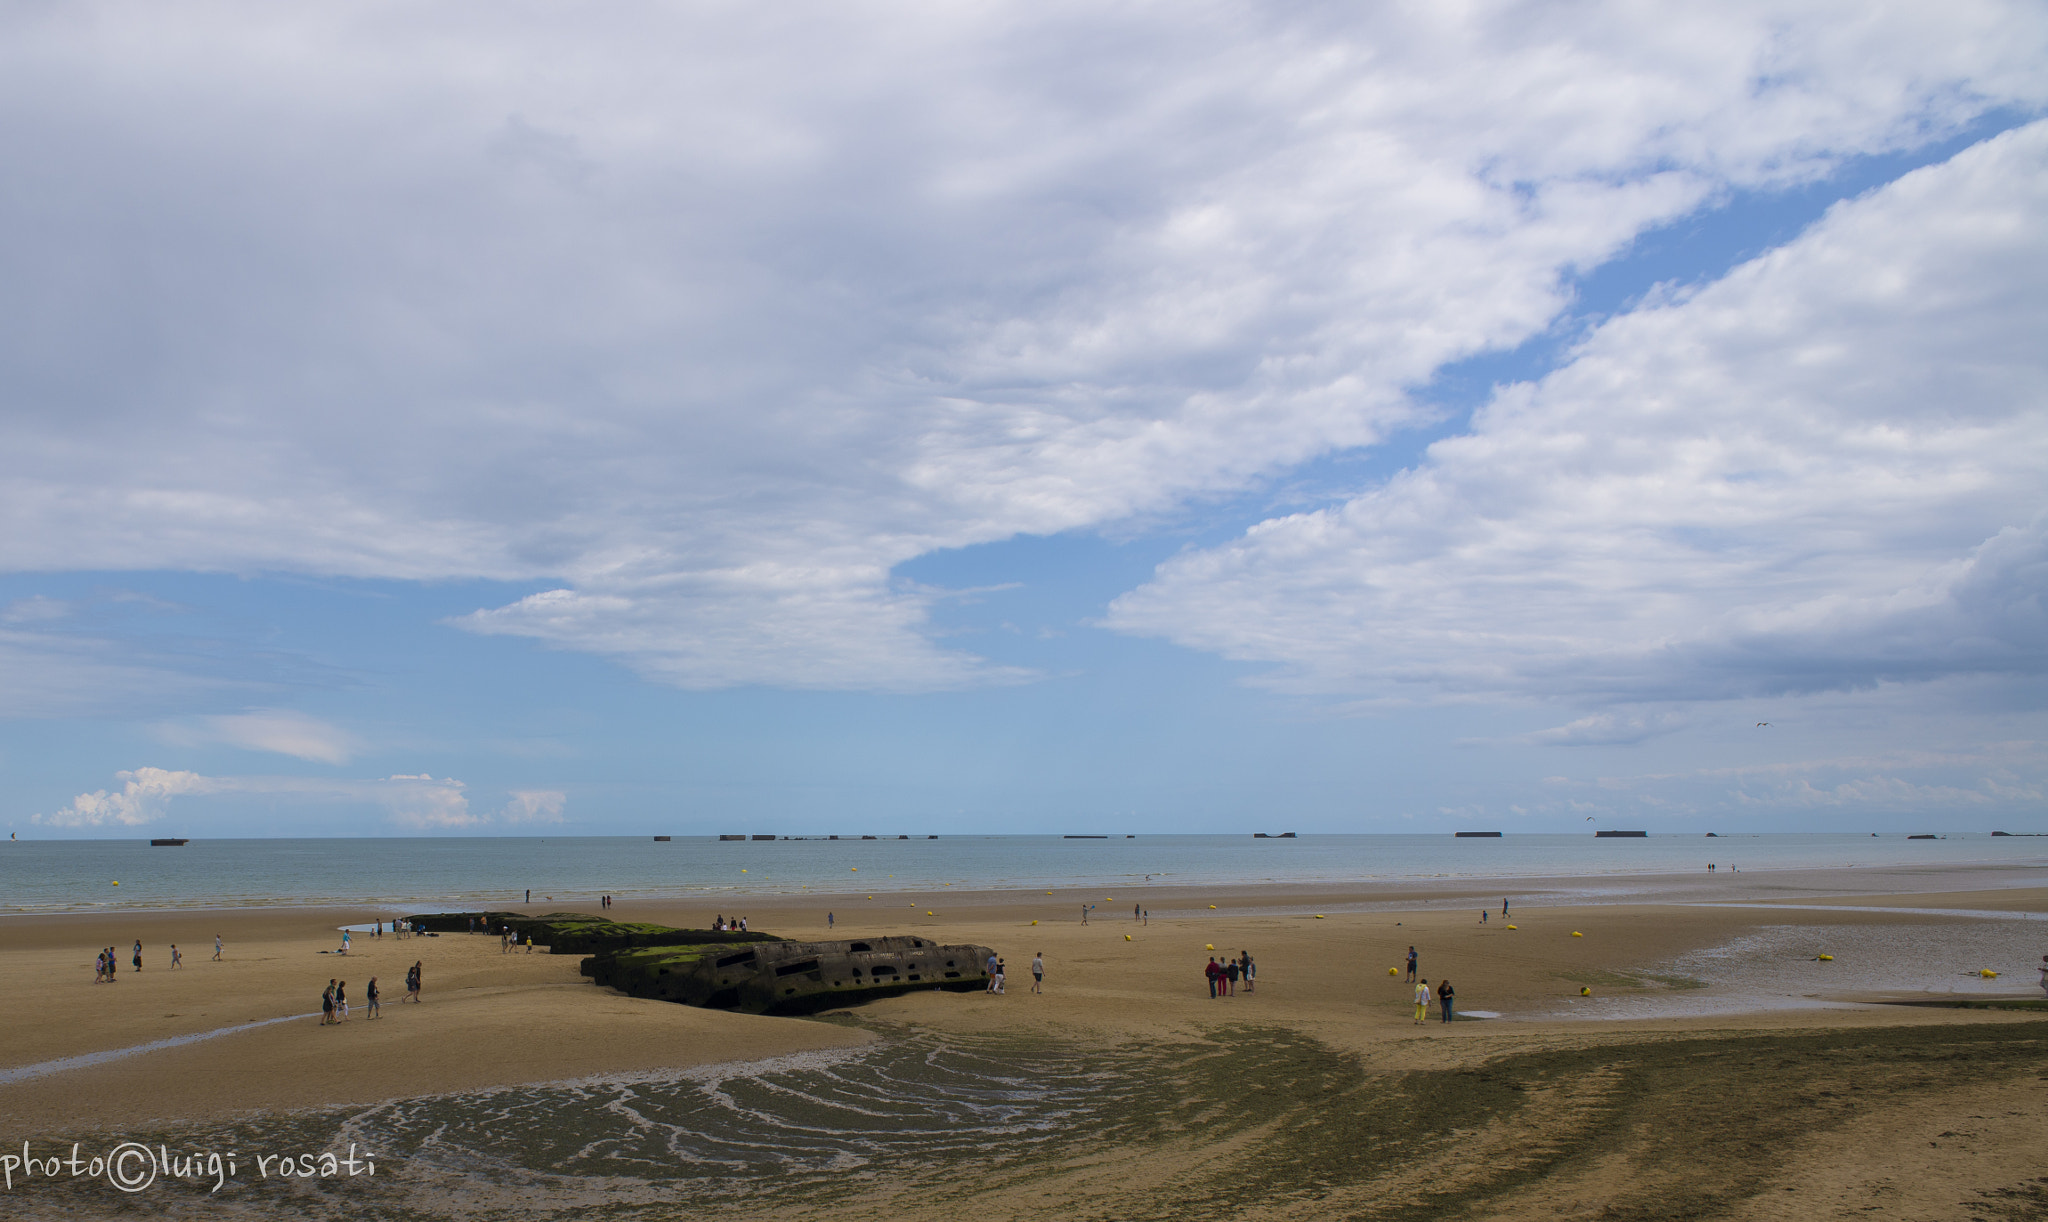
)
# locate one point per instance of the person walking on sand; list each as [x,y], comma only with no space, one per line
[177,957]
[138,954]
[830,920]
[1038,972]
[412,984]
[341,999]
[1212,972]
[327,1006]
[1251,973]
[1137,912]
[216,948]
[1503,906]
[1411,964]
[1421,1001]
[2044,973]
[370,994]
[344,941]
[1445,996]
[1230,970]
[1002,973]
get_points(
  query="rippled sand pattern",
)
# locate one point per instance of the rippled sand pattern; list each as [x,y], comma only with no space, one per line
[1252,1123]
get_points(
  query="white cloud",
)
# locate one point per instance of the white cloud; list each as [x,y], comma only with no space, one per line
[284,731]
[141,799]
[535,806]
[1948,790]
[1821,473]
[1605,730]
[419,801]
[711,317]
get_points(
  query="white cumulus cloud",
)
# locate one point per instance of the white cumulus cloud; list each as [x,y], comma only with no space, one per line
[418,802]
[141,799]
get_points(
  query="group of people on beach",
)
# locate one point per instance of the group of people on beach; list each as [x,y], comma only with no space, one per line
[1446,996]
[725,924]
[107,968]
[334,1002]
[1225,977]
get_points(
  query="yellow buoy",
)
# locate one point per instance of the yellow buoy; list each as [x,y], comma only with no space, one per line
[1585,991]
[855,869]
[1577,934]
[1827,958]
[743,870]
[1514,927]
[117,882]
[1034,922]
[1988,974]
[1209,946]
[929,912]
[1212,906]
[1127,937]
[1319,916]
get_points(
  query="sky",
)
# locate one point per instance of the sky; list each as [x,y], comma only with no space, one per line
[509,419]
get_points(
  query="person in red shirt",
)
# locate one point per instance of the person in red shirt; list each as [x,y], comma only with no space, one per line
[1214,973]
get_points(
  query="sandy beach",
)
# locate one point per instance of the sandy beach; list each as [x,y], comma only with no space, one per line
[490,1019]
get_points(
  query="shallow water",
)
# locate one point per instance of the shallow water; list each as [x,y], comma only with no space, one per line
[1777,967]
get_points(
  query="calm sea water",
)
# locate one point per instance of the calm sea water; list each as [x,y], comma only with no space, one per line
[79,875]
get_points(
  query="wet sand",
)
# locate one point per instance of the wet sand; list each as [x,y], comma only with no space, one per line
[490,1019]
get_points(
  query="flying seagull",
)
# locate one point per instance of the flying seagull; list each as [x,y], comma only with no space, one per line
[1763,723]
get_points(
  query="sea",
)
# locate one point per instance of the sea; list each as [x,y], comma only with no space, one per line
[410,873]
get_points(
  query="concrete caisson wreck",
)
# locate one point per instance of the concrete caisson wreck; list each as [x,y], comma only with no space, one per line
[790,977]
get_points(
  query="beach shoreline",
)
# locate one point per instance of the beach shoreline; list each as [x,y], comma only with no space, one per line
[491,1019]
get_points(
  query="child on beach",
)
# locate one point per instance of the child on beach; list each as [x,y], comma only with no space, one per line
[216,948]
[177,957]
